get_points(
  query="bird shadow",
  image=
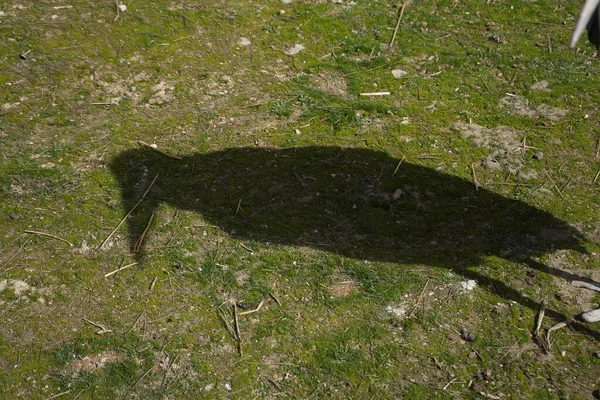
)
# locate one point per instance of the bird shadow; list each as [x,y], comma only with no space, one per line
[358,203]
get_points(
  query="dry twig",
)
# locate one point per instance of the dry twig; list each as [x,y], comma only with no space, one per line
[162,153]
[102,330]
[553,328]
[237,329]
[140,240]
[23,244]
[58,395]
[255,310]
[474,176]
[49,235]
[128,214]
[116,271]
[117,10]
[375,94]
[398,166]
[545,345]
[153,283]
[418,300]
[138,381]
[275,298]
[398,24]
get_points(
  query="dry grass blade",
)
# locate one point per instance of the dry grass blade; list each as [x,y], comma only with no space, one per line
[228,326]
[17,250]
[397,24]
[544,344]
[103,330]
[162,153]
[237,329]
[128,214]
[474,176]
[253,311]
[138,381]
[554,328]
[142,237]
[399,164]
[49,235]
[419,300]
[116,271]
[275,298]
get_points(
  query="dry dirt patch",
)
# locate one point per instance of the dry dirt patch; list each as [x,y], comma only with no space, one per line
[330,82]
[504,143]
[342,289]
[95,362]
[520,105]
[567,293]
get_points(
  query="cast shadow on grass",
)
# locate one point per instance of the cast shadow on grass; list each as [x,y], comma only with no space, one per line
[358,203]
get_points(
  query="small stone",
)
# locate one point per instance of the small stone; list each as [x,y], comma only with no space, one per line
[398,73]
[541,85]
[244,42]
[295,49]
[468,285]
[468,336]
[122,7]
[538,156]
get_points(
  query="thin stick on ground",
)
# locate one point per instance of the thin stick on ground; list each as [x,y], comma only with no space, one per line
[49,235]
[418,300]
[540,318]
[275,298]
[27,239]
[116,271]
[544,344]
[237,328]
[375,94]
[253,311]
[554,184]
[246,247]
[226,323]
[138,244]
[102,330]
[117,10]
[151,288]
[449,383]
[138,381]
[397,24]
[137,320]
[474,176]
[128,214]
[553,328]
[512,81]
[399,164]
[168,370]
[162,153]
[58,395]
[596,177]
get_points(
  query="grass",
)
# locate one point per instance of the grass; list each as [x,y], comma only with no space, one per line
[366,262]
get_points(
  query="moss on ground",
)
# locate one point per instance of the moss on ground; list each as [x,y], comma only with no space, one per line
[490,96]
